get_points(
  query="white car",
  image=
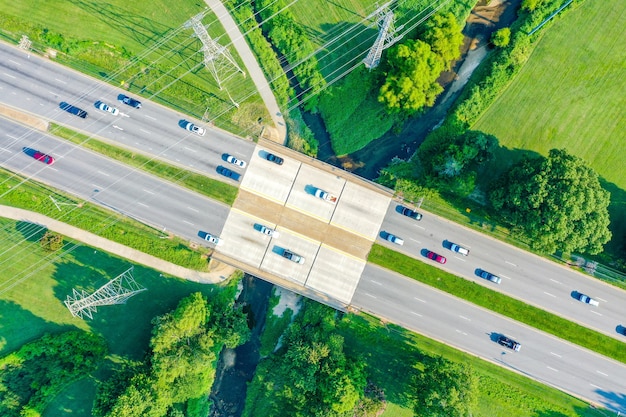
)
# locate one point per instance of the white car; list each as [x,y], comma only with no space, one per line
[235,161]
[210,238]
[269,232]
[394,239]
[105,107]
[195,129]
[588,300]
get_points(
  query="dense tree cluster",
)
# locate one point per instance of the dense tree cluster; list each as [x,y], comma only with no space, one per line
[290,38]
[180,369]
[450,159]
[445,389]
[412,68]
[557,202]
[32,376]
[310,375]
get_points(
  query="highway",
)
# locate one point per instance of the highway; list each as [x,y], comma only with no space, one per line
[525,276]
[40,87]
[473,329]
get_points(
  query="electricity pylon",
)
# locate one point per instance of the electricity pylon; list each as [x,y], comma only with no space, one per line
[116,291]
[386,36]
[217,59]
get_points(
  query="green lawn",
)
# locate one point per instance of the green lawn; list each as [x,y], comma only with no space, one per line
[34,284]
[570,95]
[141,46]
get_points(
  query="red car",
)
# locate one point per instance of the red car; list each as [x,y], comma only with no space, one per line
[46,159]
[435,257]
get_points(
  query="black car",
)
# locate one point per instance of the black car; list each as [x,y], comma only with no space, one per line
[510,343]
[274,158]
[73,110]
[129,101]
[228,173]
[405,211]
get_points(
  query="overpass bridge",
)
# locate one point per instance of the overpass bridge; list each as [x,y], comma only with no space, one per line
[334,239]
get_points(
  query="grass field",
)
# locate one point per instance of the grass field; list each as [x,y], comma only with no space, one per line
[32,304]
[140,46]
[570,95]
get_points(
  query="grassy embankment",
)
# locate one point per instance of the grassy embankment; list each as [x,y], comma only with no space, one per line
[390,354]
[141,47]
[498,302]
[201,184]
[33,196]
[34,283]
[570,94]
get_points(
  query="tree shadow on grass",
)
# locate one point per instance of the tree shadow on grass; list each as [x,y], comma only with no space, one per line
[31,232]
[19,326]
[126,327]
[390,355]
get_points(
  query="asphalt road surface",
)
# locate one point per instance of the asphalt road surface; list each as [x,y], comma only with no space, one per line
[39,86]
[122,189]
[473,329]
[525,276]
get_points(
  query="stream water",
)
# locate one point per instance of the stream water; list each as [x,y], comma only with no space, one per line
[236,366]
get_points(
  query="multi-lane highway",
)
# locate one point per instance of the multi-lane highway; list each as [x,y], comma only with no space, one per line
[525,276]
[158,203]
[39,86]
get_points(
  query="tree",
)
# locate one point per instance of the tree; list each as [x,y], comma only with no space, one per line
[445,389]
[557,201]
[411,83]
[443,34]
[501,38]
[51,241]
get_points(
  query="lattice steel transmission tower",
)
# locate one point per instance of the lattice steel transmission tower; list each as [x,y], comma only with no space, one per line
[217,59]
[386,36]
[116,291]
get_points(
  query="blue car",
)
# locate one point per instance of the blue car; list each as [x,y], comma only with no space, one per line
[129,101]
[228,173]
[73,110]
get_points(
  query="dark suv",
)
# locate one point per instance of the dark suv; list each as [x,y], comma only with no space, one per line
[73,110]
[510,343]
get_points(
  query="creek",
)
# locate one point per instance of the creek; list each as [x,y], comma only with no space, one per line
[236,367]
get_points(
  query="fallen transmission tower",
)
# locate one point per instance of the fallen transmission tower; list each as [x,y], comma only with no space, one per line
[116,291]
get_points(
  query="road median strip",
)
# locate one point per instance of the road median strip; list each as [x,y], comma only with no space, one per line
[498,302]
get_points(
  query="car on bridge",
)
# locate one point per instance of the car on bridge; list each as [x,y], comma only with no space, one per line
[269,232]
[587,300]
[392,238]
[293,257]
[509,343]
[274,158]
[459,249]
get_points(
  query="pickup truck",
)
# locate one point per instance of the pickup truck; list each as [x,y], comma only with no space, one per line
[325,196]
